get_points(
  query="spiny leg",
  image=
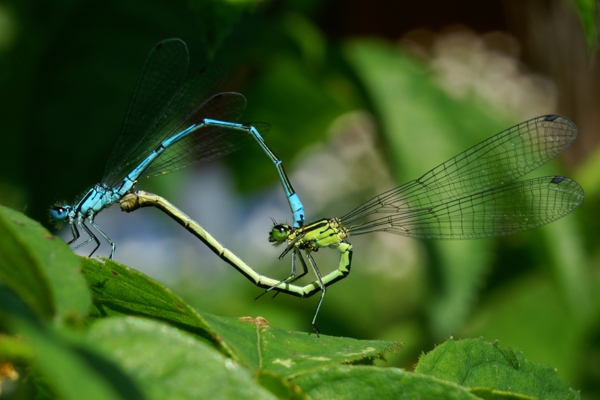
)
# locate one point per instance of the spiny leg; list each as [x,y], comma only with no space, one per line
[86,230]
[289,279]
[313,265]
[93,237]
[321,283]
[105,236]
[342,271]
[74,231]
[292,278]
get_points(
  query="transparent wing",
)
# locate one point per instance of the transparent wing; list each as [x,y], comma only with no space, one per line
[174,107]
[494,162]
[207,143]
[499,211]
[163,74]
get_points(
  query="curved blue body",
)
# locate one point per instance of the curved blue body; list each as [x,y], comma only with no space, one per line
[169,125]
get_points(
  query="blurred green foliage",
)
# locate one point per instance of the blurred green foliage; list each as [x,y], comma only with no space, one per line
[588,10]
[67,70]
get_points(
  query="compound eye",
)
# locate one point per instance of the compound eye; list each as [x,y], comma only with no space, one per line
[59,213]
[279,233]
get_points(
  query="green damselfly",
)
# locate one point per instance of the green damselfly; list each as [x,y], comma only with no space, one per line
[470,196]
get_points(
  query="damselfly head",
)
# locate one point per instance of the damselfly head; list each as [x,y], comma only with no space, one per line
[279,233]
[59,213]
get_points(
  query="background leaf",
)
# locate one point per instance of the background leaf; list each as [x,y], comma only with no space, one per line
[485,364]
[56,359]
[266,348]
[216,19]
[345,382]
[588,14]
[41,269]
[119,290]
[170,364]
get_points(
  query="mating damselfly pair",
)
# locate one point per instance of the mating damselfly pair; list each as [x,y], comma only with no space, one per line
[171,124]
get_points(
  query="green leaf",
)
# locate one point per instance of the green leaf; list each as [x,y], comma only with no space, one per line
[14,348]
[307,37]
[217,18]
[119,290]
[41,268]
[491,394]
[588,14]
[533,301]
[345,382]
[474,363]
[59,364]
[281,387]
[263,347]
[170,364]
[566,253]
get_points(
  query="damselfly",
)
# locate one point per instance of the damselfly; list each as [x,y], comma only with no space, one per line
[170,124]
[467,197]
